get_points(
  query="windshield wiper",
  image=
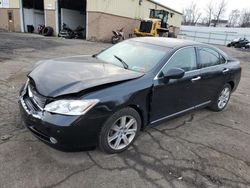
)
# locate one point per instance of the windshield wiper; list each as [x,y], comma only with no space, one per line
[125,65]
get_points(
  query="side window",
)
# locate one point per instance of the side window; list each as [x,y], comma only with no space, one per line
[209,57]
[184,59]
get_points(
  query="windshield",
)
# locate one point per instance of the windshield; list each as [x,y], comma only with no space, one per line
[137,56]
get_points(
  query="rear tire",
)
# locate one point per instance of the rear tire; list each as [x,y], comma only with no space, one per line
[120,131]
[221,101]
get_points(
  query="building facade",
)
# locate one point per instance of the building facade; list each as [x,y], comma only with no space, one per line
[10,17]
[98,17]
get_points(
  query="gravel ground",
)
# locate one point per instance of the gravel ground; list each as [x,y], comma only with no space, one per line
[202,149]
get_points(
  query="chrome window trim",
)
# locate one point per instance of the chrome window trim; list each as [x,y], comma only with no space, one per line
[212,66]
[181,112]
[157,75]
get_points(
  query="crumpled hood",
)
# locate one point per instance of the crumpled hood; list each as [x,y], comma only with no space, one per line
[70,75]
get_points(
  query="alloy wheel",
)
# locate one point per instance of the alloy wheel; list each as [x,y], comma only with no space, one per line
[224,97]
[122,132]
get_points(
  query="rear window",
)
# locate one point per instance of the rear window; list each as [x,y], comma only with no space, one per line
[209,57]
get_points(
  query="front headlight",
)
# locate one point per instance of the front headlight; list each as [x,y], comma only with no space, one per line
[71,107]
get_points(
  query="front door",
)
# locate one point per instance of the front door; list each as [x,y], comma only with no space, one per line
[11,21]
[177,95]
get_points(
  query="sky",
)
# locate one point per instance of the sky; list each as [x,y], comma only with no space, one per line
[231,4]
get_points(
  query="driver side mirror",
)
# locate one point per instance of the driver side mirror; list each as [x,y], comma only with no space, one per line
[175,73]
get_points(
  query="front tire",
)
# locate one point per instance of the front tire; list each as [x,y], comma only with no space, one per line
[222,99]
[120,131]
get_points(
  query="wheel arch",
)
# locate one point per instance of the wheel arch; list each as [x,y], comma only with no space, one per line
[231,83]
[140,112]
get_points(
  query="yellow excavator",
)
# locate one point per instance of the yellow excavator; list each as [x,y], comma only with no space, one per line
[156,25]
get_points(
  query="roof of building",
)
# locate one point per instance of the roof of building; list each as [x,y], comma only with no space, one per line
[167,42]
[155,2]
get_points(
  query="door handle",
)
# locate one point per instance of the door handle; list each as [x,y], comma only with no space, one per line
[196,79]
[225,70]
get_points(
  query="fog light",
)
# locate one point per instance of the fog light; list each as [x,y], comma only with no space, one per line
[53,140]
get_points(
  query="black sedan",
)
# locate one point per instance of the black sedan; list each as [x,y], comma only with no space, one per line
[108,98]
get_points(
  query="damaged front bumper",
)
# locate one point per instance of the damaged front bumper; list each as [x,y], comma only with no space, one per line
[67,133]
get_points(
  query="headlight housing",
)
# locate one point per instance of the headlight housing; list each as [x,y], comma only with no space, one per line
[71,107]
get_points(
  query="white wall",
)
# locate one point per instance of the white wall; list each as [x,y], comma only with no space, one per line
[50,4]
[73,18]
[213,35]
[33,17]
[10,4]
[231,30]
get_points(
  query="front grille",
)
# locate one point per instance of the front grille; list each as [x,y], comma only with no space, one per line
[36,97]
[146,26]
[32,107]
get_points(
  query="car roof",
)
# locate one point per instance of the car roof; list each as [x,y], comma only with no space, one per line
[174,43]
[166,42]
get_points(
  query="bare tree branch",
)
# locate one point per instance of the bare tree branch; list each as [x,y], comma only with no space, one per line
[234,18]
[191,14]
[245,18]
[218,13]
[209,13]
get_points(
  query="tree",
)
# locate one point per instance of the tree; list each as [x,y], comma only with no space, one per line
[234,17]
[245,18]
[219,12]
[191,15]
[209,13]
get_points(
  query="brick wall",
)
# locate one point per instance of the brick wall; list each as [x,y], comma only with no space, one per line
[100,26]
[4,19]
[50,19]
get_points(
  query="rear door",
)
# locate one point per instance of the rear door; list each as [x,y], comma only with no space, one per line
[214,72]
[177,95]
